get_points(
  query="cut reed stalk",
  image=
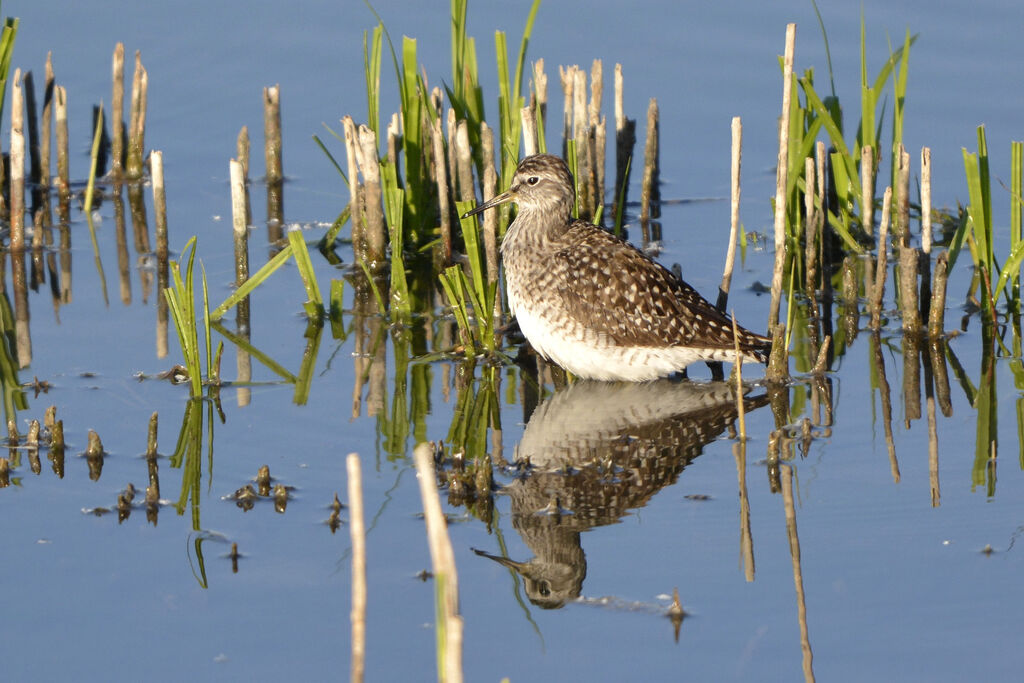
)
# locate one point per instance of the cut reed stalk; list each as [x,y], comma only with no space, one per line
[449,627]
[240,230]
[903,229]
[567,76]
[649,185]
[926,200]
[441,178]
[464,160]
[778,360]
[357,531]
[867,185]
[878,290]
[369,165]
[909,265]
[242,148]
[490,217]
[811,236]
[625,139]
[45,147]
[937,307]
[32,129]
[151,433]
[452,127]
[272,146]
[354,190]
[529,123]
[137,127]
[540,90]
[17,190]
[734,197]
[61,114]
[781,179]
[156,169]
[117,111]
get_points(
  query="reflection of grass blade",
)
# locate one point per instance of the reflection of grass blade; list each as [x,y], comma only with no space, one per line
[14,397]
[381,306]
[254,281]
[263,358]
[337,308]
[304,380]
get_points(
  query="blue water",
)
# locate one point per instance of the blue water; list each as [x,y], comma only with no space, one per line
[895,587]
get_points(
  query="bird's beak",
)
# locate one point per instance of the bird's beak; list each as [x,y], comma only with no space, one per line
[502,198]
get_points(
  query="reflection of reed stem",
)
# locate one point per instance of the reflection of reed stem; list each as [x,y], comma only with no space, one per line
[798,576]
[739,451]
[883,390]
[357,531]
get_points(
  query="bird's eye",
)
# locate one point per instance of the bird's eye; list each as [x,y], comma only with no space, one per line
[532,180]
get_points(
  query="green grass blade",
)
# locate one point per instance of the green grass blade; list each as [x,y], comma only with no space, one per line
[254,281]
[305,266]
[330,157]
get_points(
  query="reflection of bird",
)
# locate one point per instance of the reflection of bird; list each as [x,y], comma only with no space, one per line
[595,451]
[595,304]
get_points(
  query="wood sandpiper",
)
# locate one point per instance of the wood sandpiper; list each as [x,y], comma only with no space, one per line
[595,304]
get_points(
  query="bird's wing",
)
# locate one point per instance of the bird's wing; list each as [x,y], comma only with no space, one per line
[616,290]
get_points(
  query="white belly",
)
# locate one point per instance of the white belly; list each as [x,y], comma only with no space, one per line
[591,356]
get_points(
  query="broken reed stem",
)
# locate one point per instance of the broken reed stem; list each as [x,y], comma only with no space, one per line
[156,169]
[878,291]
[357,530]
[242,148]
[17,196]
[369,165]
[151,435]
[137,127]
[443,205]
[781,178]
[811,236]
[117,111]
[529,130]
[47,126]
[61,114]
[32,129]
[449,632]
[734,211]
[909,265]
[490,217]
[778,360]
[464,162]
[240,230]
[272,133]
[567,76]
[904,197]
[937,306]
[867,189]
[355,205]
[926,200]
[648,188]
[625,139]
[540,89]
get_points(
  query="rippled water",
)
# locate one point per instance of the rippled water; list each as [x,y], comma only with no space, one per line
[629,491]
